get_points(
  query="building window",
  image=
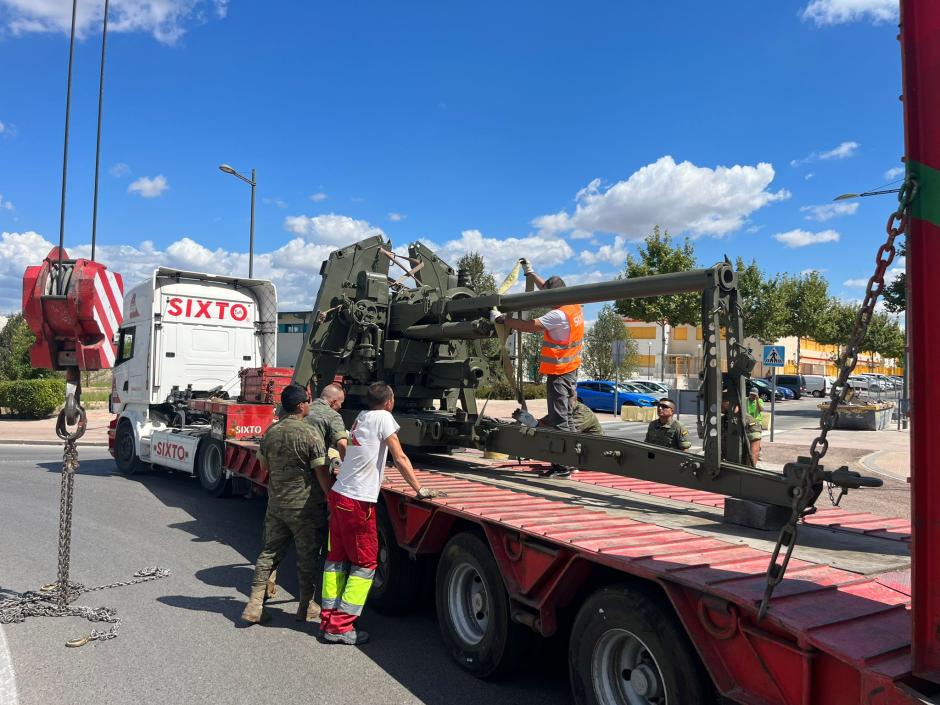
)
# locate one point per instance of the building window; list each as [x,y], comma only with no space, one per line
[291,328]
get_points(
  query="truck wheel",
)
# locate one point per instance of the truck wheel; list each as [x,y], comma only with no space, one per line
[210,467]
[473,610]
[397,583]
[125,450]
[627,649]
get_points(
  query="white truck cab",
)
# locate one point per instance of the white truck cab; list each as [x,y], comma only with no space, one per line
[185,335]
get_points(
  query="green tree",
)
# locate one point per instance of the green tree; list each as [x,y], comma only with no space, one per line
[762,308]
[597,356]
[883,337]
[839,323]
[15,340]
[658,255]
[895,293]
[805,299]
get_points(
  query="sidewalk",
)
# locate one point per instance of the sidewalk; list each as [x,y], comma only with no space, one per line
[42,431]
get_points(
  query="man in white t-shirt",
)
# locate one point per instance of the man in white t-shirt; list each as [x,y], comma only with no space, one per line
[354,542]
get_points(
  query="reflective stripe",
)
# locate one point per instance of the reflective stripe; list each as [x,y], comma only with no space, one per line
[336,566]
[561,346]
[560,360]
[334,583]
[357,571]
[349,608]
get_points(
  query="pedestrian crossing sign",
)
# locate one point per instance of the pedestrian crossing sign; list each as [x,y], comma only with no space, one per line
[774,356]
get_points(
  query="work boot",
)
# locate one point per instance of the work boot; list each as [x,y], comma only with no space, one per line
[271,585]
[307,610]
[254,611]
[352,637]
[556,471]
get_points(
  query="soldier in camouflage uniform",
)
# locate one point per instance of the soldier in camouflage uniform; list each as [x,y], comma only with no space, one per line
[295,456]
[732,447]
[666,430]
[324,417]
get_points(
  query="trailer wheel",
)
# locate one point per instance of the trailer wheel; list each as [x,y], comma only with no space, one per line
[125,450]
[626,648]
[473,610]
[397,583]
[210,467]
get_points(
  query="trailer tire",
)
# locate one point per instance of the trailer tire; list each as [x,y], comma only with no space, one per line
[210,468]
[473,610]
[397,585]
[125,450]
[626,648]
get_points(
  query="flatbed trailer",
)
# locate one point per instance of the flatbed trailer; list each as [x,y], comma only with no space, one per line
[513,557]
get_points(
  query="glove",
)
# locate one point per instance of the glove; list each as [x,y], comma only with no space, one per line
[496,316]
[425,493]
[526,267]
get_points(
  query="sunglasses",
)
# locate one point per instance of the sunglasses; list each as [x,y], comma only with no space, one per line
[664,406]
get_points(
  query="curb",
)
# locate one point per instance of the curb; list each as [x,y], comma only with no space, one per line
[868,462]
[11,442]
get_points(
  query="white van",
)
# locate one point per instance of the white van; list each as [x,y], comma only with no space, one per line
[817,385]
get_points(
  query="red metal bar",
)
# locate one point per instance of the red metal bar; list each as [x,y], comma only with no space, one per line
[920,37]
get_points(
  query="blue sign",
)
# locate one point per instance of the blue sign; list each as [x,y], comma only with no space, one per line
[774,355]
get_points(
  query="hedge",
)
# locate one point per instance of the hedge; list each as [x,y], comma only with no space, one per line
[503,390]
[38,398]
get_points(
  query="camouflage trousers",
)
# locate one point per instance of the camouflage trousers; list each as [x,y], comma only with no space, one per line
[307,527]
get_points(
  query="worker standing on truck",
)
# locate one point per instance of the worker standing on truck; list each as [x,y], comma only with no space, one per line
[562,331]
[295,457]
[354,542]
[324,416]
[666,429]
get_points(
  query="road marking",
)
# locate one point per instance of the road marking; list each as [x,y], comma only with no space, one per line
[7,676]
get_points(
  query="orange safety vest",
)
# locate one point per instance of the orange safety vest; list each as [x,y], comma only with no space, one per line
[561,356]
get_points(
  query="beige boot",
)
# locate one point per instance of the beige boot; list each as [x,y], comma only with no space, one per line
[272,583]
[307,610]
[254,610]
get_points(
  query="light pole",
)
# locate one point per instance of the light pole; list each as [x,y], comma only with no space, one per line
[649,361]
[251,237]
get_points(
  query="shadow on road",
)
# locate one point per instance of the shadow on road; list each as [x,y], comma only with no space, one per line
[409,649]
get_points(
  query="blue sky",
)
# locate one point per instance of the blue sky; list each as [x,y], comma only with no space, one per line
[557,131]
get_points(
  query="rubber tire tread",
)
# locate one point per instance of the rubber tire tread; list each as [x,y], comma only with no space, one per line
[402,591]
[223,488]
[136,465]
[649,617]
[506,644]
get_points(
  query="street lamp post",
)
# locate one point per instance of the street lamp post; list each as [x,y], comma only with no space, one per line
[251,237]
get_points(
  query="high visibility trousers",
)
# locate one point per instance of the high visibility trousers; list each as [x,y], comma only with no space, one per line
[350,562]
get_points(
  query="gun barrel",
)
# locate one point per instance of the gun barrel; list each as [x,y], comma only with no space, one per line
[633,288]
[458,330]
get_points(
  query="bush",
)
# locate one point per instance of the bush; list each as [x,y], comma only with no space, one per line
[504,390]
[39,398]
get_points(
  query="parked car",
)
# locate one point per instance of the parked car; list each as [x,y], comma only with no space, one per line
[656,388]
[764,390]
[787,393]
[817,385]
[875,383]
[598,395]
[795,383]
[859,383]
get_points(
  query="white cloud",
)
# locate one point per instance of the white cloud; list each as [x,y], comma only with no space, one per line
[828,211]
[829,12]
[5,204]
[810,270]
[120,169]
[330,229]
[166,20]
[274,202]
[501,254]
[809,176]
[681,197]
[854,283]
[147,187]
[615,253]
[396,217]
[843,150]
[802,238]
[894,173]
[318,197]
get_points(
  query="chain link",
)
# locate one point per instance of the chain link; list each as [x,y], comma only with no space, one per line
[805,494]
[54,600]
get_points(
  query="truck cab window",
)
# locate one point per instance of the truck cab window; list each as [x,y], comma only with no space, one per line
[125,345]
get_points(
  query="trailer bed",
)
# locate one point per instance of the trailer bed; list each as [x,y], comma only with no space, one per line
[838,629]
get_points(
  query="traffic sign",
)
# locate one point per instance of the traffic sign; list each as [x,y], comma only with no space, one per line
[774,355]
[618,352]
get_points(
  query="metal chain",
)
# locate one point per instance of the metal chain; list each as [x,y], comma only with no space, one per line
[54,599]
[805,494]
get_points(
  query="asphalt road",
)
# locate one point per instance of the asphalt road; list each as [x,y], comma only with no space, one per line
[181,640]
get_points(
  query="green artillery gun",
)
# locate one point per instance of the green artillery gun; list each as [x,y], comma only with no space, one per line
[421,332]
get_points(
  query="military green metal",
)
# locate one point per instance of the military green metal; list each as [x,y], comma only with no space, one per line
[420,330]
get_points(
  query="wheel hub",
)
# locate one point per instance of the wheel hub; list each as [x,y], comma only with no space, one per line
[644,681]
[468,604]
[624,671]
